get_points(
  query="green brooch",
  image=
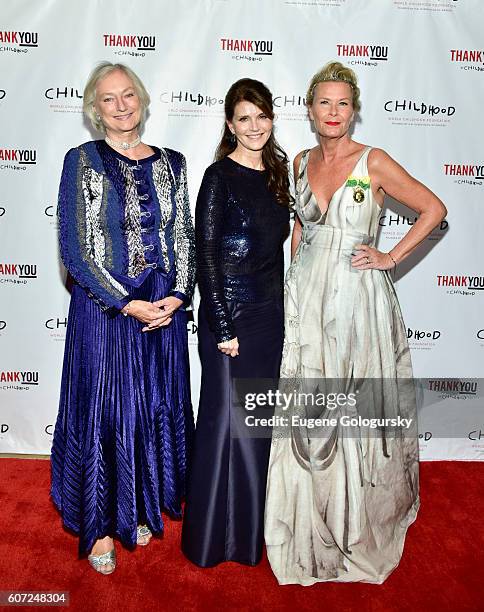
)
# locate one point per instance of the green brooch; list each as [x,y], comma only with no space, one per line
[360,185]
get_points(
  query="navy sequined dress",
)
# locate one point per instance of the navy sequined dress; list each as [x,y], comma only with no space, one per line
[240,231]
[125,421]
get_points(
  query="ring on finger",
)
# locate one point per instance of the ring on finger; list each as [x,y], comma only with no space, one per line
[368,261]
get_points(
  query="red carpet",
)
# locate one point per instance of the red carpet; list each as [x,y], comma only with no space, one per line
[441,569]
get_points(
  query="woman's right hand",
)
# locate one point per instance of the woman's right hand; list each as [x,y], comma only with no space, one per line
[146,312]
[229,347]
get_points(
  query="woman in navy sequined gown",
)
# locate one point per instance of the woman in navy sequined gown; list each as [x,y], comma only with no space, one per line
[125,421]
[242,220]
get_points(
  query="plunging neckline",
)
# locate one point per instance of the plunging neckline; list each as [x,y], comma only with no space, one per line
[339,188]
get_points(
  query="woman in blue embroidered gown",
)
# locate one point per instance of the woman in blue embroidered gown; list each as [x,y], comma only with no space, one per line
[242,220]
[125,421]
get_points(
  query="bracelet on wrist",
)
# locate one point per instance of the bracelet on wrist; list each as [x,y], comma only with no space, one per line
[125,310]
[391,257]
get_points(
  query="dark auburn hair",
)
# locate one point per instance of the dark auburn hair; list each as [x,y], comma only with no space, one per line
[273,157]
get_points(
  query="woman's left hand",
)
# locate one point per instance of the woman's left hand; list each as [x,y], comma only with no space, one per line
[369,258]
[167,306]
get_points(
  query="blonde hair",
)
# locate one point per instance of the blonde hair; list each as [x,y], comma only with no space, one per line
[335,71]
[99,72]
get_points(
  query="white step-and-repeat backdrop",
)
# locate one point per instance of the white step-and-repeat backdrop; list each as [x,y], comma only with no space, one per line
[421,68]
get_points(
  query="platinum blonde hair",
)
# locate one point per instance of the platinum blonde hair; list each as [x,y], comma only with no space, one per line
[335,71]
[99,72]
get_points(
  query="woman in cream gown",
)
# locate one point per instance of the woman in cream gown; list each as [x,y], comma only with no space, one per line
[340,498]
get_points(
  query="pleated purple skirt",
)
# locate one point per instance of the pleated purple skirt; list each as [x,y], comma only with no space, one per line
[125,420]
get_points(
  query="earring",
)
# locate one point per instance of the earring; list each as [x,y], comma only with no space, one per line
[233,139]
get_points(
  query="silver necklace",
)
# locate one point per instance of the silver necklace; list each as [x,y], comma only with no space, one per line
[123,145]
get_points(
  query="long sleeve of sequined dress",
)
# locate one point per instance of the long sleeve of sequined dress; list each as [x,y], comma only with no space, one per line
[209,224]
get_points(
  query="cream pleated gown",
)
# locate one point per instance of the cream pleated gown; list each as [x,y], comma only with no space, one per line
[340,500]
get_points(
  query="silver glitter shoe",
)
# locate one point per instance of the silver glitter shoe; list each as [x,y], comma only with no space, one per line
[99,562]
[142,533]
